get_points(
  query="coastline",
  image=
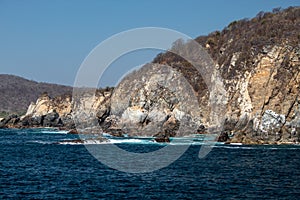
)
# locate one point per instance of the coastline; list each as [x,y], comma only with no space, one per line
[104,137]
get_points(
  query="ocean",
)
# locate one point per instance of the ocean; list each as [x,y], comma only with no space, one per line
[35,165]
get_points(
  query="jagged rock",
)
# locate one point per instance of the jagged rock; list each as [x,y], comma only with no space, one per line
[76,141]
[162,139]
[271,121]
[201,129]
[45,105]
[115,132]
[36,121]
[156,115]
[171,126]
[154,99]
[223,137]
[10,118]
[68,122]
[134,115]
[10,121]
[102,113]
[52,119]
[73,131]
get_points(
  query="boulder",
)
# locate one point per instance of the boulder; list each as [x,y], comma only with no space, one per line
[9,121]
[67,122]
[73,131]
[52,120]
[162,139]
[223,137]
[271,121]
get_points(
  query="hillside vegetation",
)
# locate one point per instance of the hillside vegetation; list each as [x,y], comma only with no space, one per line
[249,37]
[17,93]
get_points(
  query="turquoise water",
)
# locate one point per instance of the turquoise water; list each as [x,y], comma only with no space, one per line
[33,165]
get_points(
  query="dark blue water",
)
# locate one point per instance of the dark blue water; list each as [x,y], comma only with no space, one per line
[32,166]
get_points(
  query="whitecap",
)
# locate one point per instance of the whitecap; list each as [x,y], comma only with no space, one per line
[39,142]
[236,143]
[131,141]
[235,147]
[54,132]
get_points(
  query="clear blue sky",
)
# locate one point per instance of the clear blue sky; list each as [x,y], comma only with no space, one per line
[48,40]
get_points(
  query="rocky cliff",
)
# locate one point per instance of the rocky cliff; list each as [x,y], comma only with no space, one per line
[264,101]
[46,112]
[259,64]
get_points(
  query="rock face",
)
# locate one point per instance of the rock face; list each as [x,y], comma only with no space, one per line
[45,105]
[91,110]
[259,61]
[152,101]
[155,99]
[223,137]
[264,100]
[262,92]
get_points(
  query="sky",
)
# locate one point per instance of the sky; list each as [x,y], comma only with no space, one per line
[47,41]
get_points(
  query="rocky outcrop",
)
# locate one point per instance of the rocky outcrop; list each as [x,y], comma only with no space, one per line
[45,105]
[91,110]
[264,100]
[46,112]
[223,137]
[259,62]
[155,99]
[10,121]
[152,101]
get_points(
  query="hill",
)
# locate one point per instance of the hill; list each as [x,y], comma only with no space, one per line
[17,93]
